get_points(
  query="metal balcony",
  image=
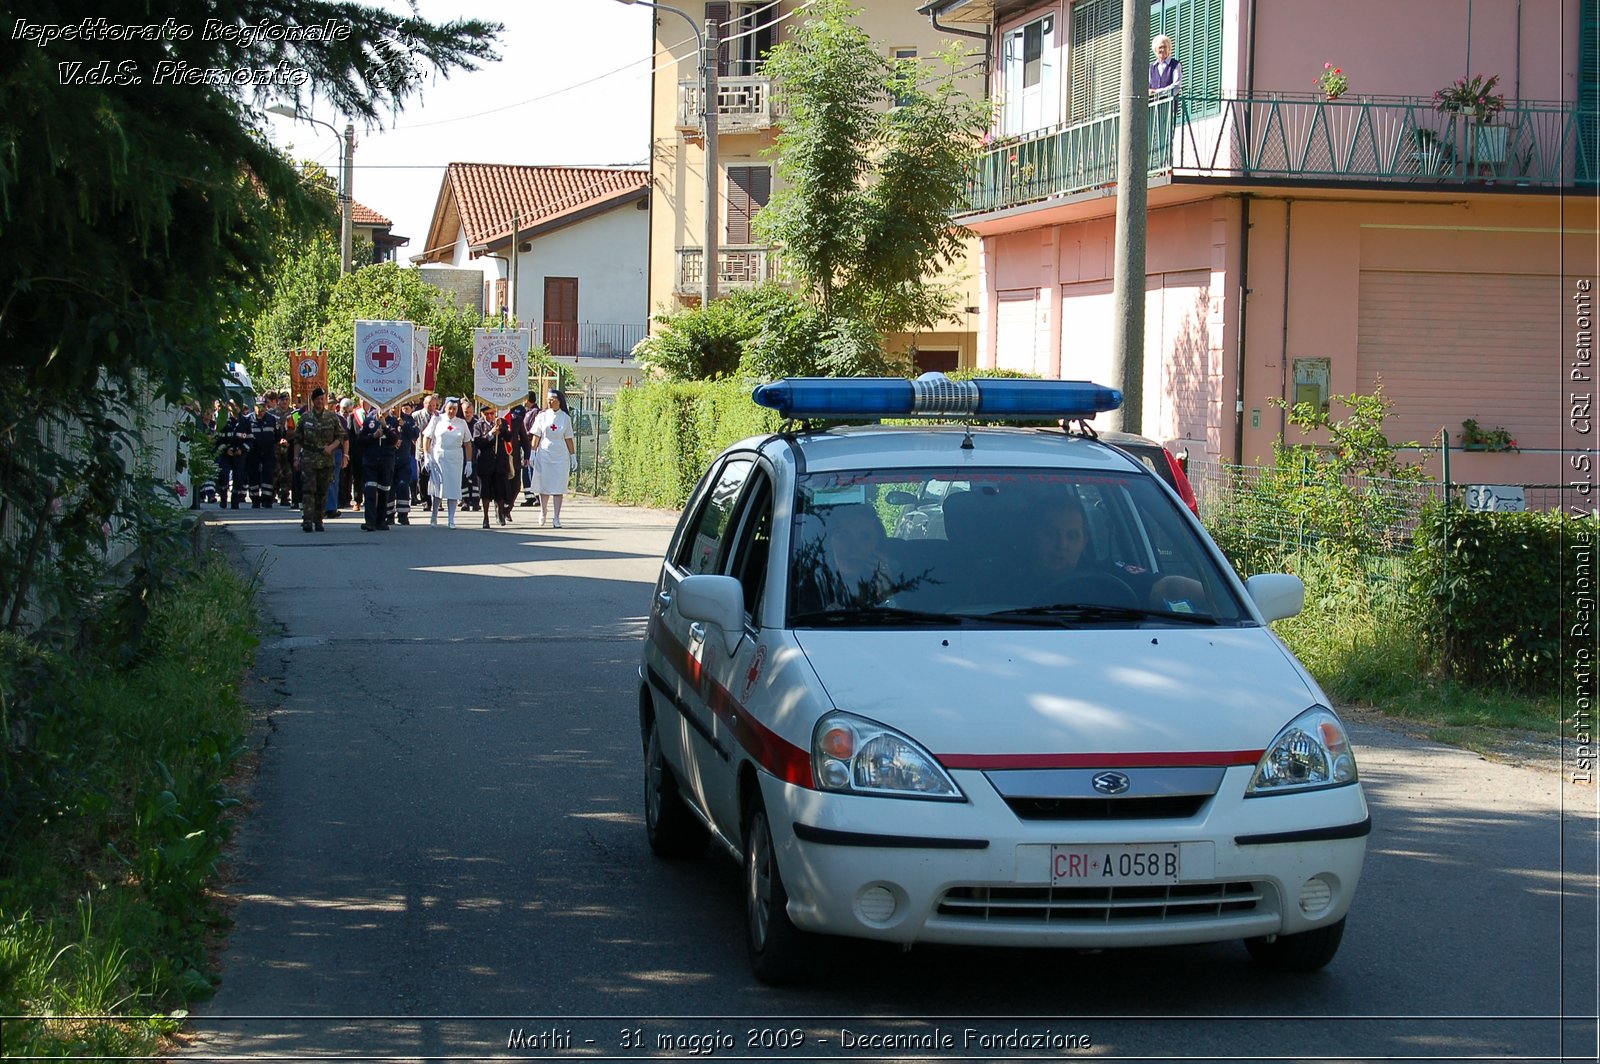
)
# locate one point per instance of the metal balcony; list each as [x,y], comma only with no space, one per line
[1353,140]
[743,105]
[739,266]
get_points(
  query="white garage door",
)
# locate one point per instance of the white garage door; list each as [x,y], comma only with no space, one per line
[1016,331]
[1451,346]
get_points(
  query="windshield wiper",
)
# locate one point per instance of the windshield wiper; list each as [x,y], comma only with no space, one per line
[870,616]
[1089,611]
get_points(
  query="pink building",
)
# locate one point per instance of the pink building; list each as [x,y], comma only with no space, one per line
[1301,245]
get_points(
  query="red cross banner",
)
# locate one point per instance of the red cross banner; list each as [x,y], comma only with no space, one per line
[500,366]
[383,361]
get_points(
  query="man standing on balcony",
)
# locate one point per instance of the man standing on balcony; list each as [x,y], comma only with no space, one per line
[1166,72]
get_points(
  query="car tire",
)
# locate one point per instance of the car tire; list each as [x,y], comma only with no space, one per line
[672,830]
[1303,952]
[779,951]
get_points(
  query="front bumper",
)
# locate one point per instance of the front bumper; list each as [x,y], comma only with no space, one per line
[973,873]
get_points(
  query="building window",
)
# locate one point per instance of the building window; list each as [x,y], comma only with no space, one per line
[749,189]
[898,57]
[1094,57]
[1031,95]
[746,32]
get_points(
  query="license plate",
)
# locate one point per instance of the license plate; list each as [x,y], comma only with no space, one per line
[1114,866]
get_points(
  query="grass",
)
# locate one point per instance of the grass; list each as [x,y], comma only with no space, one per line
[1361,642]
[117,812]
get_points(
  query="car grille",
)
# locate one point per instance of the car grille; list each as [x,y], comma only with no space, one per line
[1047,905]
[1159,807]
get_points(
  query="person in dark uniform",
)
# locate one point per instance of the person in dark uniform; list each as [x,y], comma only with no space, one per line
[375,441]
[282,469]
[404,435]
[233,443]
[262,455]
[318,442]
[493,465]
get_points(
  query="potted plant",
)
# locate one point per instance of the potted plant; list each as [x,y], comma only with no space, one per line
[1431,154]
[1476,101]
[1476,438]
[1333,81]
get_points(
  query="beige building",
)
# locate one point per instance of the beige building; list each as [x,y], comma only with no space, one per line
[745,177]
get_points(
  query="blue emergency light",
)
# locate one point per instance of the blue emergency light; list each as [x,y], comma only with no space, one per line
[935,395]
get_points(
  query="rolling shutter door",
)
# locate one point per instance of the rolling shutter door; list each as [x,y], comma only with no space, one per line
[1015,335]
[1450,346]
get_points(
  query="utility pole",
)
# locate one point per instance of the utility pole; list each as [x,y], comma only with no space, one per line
[347,228]
[516,241]
[708,68]
[1133,181]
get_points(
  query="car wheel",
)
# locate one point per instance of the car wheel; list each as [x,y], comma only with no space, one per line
[1303,952]
[778,949]
[672,829]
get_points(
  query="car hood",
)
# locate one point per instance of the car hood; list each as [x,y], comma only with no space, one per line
[1038,692]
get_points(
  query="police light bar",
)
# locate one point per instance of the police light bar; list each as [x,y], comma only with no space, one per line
[935,395]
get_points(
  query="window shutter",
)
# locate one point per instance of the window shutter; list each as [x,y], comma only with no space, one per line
[749,189]
[1095,55]
[720,13]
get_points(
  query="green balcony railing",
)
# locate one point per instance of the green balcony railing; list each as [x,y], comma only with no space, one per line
[1297,137]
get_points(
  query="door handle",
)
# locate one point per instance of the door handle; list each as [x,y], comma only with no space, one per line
[665,599]
[697,631]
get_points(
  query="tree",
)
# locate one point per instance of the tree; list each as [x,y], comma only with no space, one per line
[296,313]
[388,292]
[142,211]
[864,219]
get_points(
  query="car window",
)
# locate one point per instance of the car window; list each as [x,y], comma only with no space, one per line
[701,549]
[754,545]
[991,543]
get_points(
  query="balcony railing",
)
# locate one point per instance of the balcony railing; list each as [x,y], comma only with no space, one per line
[739,266]
[743,105]
[1401,140]
[589,339]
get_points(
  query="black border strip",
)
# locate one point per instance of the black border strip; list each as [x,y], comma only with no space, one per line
[830,837]
[659,682]
[1343,831]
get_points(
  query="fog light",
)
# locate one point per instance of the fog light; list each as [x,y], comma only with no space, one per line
[1315,896]
[875,904]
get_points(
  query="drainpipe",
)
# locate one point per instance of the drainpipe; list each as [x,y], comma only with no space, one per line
[1283,351]
[932,11]
[1244,314]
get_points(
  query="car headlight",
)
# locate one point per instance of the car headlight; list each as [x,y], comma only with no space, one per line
[1311,751]
[853,755]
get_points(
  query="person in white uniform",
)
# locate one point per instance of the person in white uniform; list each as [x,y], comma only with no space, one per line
[555,455]
[449,442]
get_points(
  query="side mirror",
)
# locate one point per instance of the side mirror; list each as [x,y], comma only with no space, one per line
[1277,595]
[714,600]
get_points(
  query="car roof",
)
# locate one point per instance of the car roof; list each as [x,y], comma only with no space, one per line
[917,447]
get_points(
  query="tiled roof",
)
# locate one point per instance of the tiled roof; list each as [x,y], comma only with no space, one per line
[487,196]
[361,214]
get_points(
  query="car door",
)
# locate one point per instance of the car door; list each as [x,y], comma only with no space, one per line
[684,647]
[731,677]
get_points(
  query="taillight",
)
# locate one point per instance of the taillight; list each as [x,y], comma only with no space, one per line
[1181,480]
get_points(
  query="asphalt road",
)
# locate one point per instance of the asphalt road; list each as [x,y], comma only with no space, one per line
[443,858]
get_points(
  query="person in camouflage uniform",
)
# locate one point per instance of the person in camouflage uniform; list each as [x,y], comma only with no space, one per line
[317,440]
[282,471]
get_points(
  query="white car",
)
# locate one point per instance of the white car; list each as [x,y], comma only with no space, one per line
[990,686]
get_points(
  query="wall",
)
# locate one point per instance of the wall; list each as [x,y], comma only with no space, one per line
[1415,47]
[606,252]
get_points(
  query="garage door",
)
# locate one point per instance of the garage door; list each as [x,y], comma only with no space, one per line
[1016,331]
[1451,346]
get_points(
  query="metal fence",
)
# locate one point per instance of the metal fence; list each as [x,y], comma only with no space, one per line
[590,339]
[591,416]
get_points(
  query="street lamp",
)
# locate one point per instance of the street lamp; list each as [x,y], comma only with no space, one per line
[346,174]
[707,43]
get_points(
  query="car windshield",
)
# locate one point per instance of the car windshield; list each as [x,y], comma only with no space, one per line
[1007,546]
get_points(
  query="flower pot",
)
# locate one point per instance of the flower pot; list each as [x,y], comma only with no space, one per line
[1474,446]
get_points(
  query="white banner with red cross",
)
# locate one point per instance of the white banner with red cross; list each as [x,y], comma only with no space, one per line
[500,366]
[383,361]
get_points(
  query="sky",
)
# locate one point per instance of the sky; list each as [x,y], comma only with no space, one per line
[571,87]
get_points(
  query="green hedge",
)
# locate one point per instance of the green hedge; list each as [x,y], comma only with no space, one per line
[1488,591]
[664,434]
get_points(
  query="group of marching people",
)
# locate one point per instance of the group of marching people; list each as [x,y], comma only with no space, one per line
[441,453]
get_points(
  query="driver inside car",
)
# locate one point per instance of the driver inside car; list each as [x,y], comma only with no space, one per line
[1068,569]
